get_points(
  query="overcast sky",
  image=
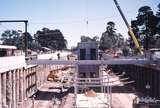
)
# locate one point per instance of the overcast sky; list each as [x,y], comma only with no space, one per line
[70,16]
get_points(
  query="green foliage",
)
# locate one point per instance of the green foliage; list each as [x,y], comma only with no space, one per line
[158,43]
[10,37]
[13,37]
[110,39]
[85,39]
[21,41]
[88,39]
[158,12]
[52,39]
[145,27]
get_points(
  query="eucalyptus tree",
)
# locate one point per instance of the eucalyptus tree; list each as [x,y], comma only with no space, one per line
[52,39]
[110,39]
[145,27]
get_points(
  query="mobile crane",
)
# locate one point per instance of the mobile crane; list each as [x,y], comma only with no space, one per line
[129,28]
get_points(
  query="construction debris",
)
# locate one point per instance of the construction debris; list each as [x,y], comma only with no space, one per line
[90,93]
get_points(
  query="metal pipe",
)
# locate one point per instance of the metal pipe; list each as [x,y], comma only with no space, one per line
[13,21]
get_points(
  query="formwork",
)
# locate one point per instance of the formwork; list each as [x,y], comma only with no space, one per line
[88,51]
[141,105]
[143,75]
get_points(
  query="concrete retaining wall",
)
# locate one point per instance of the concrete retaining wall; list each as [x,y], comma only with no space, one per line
[146,106]
[12,62]
[142,75]
[17,85]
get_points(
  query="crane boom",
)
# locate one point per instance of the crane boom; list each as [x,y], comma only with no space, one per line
[129,28]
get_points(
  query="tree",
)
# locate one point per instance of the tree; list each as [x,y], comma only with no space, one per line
[89,39]
[16,38]
[52,39]
[95,39]
[85,39]
[145,27]
[22,41]
[158,43]
[158,16]
[158,12]
[10,37]
[110,39]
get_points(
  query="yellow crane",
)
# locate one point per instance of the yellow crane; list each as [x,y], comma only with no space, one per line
[129,28]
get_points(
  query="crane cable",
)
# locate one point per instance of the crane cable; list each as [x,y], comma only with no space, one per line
[87,17]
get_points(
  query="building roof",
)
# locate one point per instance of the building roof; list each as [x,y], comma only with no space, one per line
[7,47]
[48,49]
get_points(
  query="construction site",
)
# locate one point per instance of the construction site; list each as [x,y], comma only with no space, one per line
[47,82]
[85,78]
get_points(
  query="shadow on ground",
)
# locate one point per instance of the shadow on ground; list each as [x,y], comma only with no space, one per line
[46,95]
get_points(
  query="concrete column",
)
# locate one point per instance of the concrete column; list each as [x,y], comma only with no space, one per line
[29,81]
[41,76]
[17,87]
[38,76]
[9,89]
[43,73]
[24,83]
[0,92]
[35,78]
[20,85]
[14,89]
[31,78]
[26,80]
[4,105]
[49,69]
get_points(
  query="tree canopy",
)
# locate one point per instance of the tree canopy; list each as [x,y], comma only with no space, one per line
[146,27]
[89,39]
[111,39]
[52,39]
[16,38]
[158,12]
[10,37]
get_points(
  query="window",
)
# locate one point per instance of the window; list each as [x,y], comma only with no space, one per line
[82,54]
[93,54]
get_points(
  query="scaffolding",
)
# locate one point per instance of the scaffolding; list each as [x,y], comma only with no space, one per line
[101,82]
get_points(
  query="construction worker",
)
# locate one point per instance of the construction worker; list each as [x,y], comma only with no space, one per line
[58,56]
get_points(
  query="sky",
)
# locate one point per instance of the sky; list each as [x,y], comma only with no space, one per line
[70,16]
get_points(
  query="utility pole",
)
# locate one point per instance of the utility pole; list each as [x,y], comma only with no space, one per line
[129,27]
[26,39]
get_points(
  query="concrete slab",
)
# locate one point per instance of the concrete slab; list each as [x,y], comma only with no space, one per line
[91,102]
